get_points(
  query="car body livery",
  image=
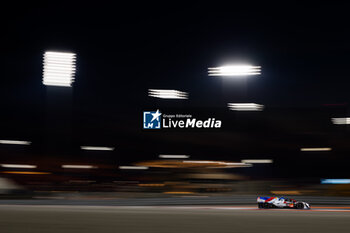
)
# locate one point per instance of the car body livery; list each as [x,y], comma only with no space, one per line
[281,202]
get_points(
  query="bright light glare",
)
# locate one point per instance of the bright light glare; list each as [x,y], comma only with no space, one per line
[79,166]
[97,148]
[167,94]
[59,69]
[257,161]
[316,149]
[234,70]
[245,107]
[217,162]
[335,181]
[18,166]
[14,142]
[174,156]
[341,121]
[133,167]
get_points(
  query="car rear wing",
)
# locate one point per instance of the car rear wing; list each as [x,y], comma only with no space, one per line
[264,199]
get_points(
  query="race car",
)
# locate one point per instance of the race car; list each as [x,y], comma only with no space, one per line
[281,202]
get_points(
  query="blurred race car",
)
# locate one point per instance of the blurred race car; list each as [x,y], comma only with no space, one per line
[281,202]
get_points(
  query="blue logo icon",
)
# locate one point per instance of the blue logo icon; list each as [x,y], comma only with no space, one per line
[151,120]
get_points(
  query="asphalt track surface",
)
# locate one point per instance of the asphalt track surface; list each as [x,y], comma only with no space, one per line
[125,200]
[153,219]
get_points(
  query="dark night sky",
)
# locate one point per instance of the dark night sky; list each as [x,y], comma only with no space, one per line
[125,49]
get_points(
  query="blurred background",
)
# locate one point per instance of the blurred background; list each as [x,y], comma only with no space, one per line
[87,138]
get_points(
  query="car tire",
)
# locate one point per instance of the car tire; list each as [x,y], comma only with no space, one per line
[300,206]
[266,205]
[260,205]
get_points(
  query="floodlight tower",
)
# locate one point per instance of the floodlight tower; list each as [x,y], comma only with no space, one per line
[58,76]
[234,70]
[234,79]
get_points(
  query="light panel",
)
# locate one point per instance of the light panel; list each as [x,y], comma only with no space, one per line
[245,107]
[257,161]
[341,121]
[97,148]
[167,94]
[59,69]
[18,166]
[234,70]
[14,142]
[78,166]
[316,149]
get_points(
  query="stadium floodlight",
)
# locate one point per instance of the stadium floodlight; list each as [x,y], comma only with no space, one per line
[234,70]
[316,149]
[257,161]
[18,166]
[78,166]
[133,167]
[167,94]
[245,107]
[97,148]
[174,156]
[15,142]
[341,121]
[59,69]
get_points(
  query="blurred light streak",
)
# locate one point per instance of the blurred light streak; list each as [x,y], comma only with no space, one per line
[167,94]
[82,181]
[234,165]
[201,161]
[174,156]
[26,173]
[245,107]
[133,167]
[335,181]
[316,149]
[178,192]
[234,70]
[15,142]
[257,161]
[18,166]
[177,163]
[151,185]
[221,164]
[341,121]
[100,148]
[59,69]
[290,192]
[78,166]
